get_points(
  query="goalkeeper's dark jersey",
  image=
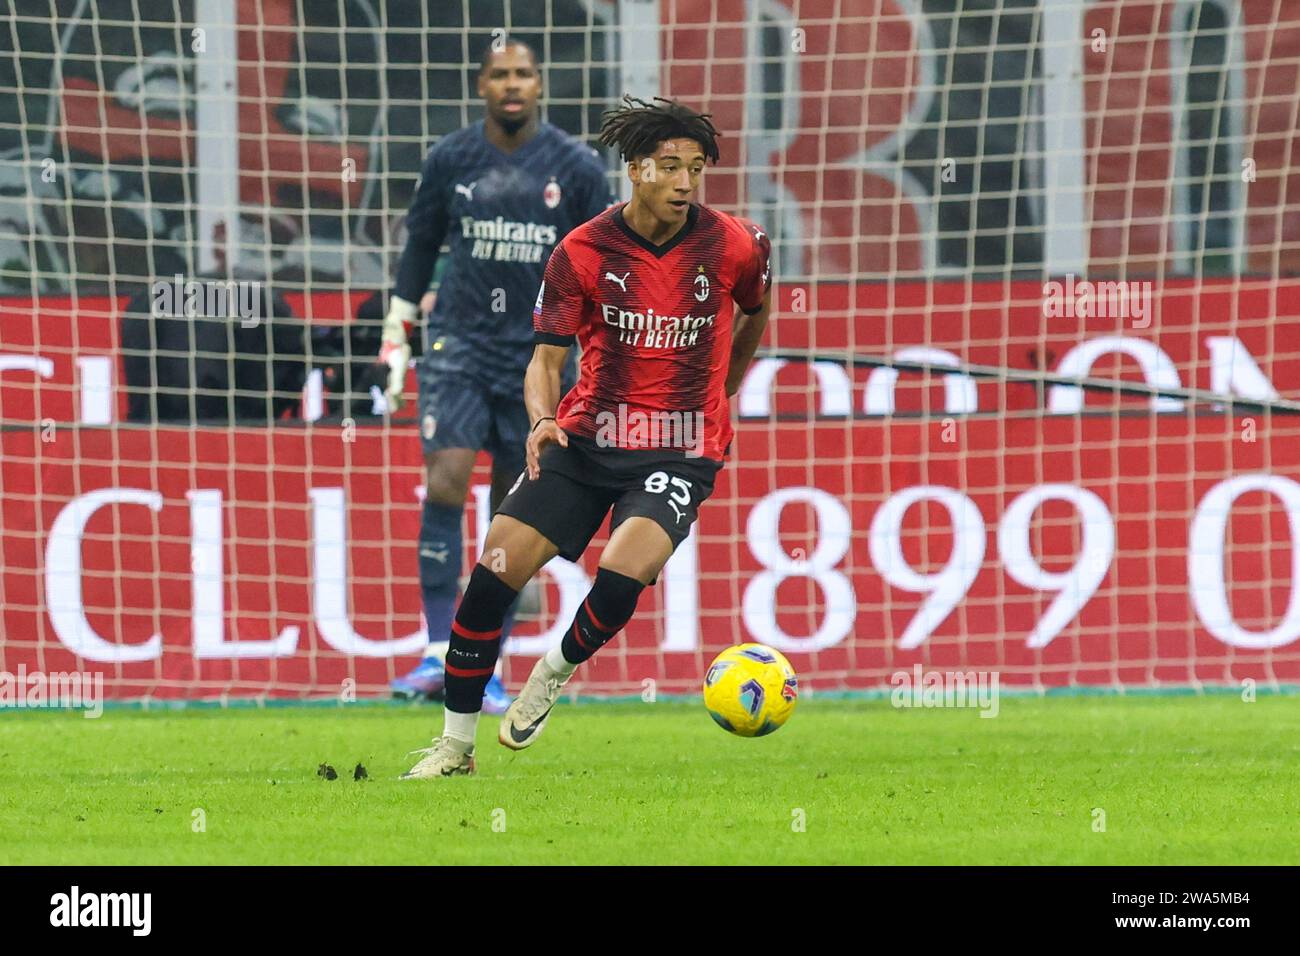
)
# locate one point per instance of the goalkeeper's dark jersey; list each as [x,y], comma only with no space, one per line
[501,216]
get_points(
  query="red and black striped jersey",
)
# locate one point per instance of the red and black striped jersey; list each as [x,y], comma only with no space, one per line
[655,325]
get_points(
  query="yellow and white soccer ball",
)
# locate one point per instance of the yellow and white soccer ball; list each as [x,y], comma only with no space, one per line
[750,690]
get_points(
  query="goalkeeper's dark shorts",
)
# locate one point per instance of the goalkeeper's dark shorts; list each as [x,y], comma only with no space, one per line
[578,486]
[464,404]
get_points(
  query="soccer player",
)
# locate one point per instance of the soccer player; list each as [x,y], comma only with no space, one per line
[646,289]
[501,193]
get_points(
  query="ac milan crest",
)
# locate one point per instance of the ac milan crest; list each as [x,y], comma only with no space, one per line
[701,286]
[551,194]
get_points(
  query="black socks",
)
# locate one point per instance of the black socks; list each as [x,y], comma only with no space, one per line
[609,606]
[476,639]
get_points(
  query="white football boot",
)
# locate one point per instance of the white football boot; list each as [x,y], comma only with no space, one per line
[528,713]
[448,757]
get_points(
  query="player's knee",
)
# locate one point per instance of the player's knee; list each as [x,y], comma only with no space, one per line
[514,551]
[630,563]
[497,560]
[514,568]
[442,486]
[615,594]
[638,548]
[645,572]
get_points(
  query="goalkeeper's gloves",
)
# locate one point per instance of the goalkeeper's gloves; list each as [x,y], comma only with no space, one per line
[394,352]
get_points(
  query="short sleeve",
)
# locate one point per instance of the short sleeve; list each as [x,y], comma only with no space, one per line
[754,277]
[560,301]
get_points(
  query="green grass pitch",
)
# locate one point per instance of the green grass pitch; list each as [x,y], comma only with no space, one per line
[1181,779]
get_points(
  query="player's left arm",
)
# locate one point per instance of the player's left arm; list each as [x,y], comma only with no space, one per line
[747,333]
[753,285]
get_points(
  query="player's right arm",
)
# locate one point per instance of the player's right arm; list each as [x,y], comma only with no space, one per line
[542,396]
[426,225]
[556,318]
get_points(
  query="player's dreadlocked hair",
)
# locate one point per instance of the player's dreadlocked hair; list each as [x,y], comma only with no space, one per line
[637,127]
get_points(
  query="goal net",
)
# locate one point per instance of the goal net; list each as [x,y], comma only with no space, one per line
[1028,403]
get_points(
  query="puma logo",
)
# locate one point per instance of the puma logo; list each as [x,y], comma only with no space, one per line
[677,511]
[467,191]
[622,283]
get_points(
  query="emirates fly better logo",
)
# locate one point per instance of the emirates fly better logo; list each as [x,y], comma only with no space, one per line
[504,240]
[650,331]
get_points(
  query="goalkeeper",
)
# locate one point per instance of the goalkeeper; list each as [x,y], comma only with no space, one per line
[501,193]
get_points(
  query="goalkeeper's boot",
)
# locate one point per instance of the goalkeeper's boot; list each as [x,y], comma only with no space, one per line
[426,681]
[527,716]
[495,698]
[448,757]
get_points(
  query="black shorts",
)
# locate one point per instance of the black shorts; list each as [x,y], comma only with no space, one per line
[578,485]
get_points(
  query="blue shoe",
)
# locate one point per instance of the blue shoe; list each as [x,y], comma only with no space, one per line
[495,698]
[426,681]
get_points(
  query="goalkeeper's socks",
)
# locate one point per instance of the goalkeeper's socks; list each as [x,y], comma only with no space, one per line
[439,611]
[441,549]
[476,640]
[609,606]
